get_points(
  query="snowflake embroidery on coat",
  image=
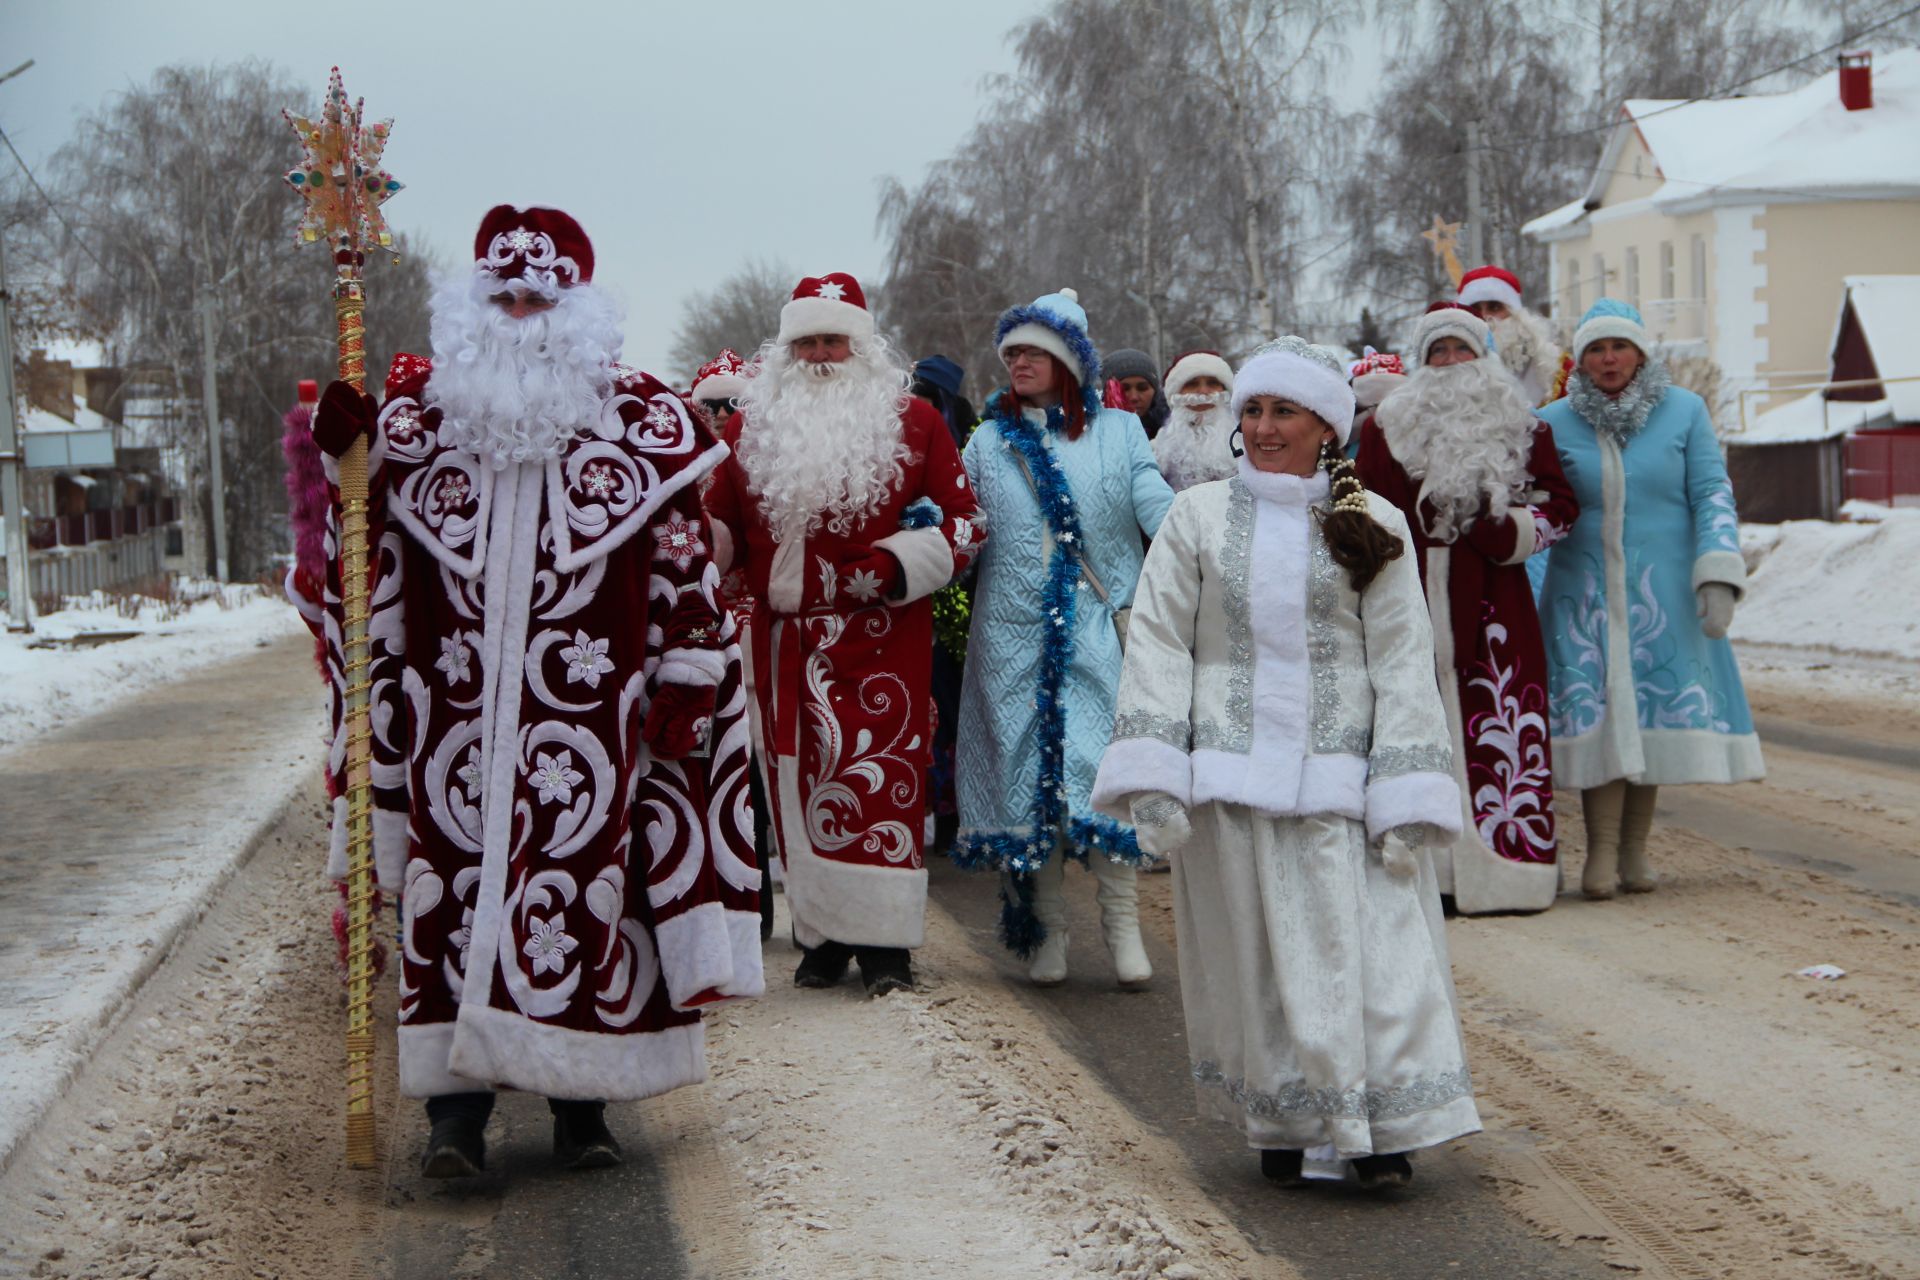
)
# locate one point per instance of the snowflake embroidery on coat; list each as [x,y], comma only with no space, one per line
[661,417]
[677,542]
[863,585]
[451,493]
[463,936]
[597,479]
[586,660]
[456,659]
[547,946]
[469,774]
[403,425]
[554,776]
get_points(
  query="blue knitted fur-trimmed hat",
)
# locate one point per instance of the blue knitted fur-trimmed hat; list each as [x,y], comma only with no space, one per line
[1056,324]
[1610,318]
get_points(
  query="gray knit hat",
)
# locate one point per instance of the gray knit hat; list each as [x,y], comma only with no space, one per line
[1128,363]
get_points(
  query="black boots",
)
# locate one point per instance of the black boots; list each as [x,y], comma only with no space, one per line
[885,969]
[1282,1166]
[456,1145]
[1379,1173]
[823,966]
[581,1139]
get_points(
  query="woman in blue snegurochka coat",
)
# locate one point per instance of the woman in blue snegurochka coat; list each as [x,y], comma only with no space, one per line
[1638,598]
[1067,488]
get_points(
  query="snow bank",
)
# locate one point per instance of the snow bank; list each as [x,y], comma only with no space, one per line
[1849,588]
[54,675]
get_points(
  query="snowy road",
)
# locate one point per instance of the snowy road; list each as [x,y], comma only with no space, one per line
[1663,1096]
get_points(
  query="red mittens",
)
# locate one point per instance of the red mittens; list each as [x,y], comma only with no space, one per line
[344,415]
[678,719]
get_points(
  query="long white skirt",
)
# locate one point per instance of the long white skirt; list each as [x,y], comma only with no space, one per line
[1319,1005]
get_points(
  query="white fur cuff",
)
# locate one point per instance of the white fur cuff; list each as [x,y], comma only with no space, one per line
[1433,798]
[1526,536]
[1724,567]
[1132,766]
[698,668]
[926,561]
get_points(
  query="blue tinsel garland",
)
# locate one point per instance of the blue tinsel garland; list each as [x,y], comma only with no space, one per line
[1008,851]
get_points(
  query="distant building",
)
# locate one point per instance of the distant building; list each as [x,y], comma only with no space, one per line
[1856,435]
[1732,224]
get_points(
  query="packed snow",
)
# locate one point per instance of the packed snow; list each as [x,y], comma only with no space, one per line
[68,668]
[1842,588]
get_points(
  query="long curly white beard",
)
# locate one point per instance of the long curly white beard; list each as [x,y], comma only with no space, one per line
[822,444]
[1465,430]
[517,390]
[1192,448]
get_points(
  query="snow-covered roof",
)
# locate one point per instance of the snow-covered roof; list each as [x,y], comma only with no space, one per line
[1810,417]
[1888,308]
[84,419]
[1799,143]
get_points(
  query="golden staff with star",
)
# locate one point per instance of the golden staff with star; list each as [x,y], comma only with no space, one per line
[1444,238]
[343,185]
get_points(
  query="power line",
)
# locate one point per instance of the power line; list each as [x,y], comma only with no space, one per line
[1852,38]
[52,208]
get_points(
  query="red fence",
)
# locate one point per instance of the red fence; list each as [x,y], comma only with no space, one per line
[1884,466]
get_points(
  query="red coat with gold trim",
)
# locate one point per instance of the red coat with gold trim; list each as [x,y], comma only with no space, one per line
[568,900]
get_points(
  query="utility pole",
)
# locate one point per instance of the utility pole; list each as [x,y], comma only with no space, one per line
[210,407]
[19,582]
[1476,236]
[12,500]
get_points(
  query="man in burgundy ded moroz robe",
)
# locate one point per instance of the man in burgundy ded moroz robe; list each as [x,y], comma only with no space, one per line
[560,741]
[846,505]
[1458,450]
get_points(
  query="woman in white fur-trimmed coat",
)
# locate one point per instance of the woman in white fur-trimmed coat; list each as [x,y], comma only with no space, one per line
[1279,733]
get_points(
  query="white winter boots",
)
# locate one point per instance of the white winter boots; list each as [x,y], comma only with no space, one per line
[1119,921]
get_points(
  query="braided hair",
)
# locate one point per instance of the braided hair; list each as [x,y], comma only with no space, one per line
[1357,542]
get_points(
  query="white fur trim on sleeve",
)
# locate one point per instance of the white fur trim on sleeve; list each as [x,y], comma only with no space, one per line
[926,560]
[1526,536]
[697,953]
[1724,567]
[698,668]
[1135,765]
[1432,798]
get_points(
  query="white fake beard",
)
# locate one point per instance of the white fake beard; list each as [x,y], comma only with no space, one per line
[821,444]
[1524,341]
[517,390]
[1193,445]
[1466,431]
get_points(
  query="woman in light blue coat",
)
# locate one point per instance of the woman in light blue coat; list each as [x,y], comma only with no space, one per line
[1068,488]
[1645,689]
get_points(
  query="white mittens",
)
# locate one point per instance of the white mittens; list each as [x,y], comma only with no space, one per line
[1397,846]
[1159,822]
[1716,609]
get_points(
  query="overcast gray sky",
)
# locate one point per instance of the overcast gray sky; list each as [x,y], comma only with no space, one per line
[686,137]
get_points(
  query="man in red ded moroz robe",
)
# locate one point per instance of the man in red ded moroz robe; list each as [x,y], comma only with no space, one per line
[847,506]
[1458,449]
[560,740]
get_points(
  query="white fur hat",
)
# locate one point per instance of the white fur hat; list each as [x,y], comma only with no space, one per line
[1197,364]
[1297,370]
[1451,322]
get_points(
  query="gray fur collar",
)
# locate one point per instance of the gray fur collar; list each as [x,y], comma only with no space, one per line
[1621,418]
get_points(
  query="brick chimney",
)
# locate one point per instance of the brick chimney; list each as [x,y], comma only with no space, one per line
[1856,80]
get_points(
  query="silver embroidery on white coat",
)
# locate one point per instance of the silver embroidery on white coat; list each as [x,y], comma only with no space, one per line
[1393,762]
[1236,556]
[1145,724]
[1158,812]
[1424,1094]
[1334,731]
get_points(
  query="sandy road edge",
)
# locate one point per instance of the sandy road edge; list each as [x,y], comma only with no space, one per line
[232,856]
[1112,1197]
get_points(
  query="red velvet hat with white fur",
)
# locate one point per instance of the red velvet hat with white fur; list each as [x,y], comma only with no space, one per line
[722,378]
[534,244]
[832,303]
[1489,284]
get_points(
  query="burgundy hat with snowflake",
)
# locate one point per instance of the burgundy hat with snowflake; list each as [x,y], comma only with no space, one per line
[832,303]
[1489,284]
[721,378]
[534,244]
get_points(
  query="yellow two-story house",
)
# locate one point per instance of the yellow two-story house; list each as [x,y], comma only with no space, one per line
[1733,223]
